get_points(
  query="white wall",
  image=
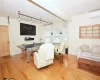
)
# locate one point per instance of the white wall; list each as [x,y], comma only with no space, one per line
[73,32]
[61,26]
[14,34]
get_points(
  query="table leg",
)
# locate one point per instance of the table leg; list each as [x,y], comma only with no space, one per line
[22,53]
[28,54]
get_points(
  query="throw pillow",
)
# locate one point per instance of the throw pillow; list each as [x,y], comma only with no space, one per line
[85,48]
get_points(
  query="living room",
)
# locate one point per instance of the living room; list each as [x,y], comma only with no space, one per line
[66,24]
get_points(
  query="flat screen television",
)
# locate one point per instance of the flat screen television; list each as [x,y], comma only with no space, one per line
[27,29]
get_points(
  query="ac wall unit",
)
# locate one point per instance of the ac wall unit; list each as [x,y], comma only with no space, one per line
[94,14]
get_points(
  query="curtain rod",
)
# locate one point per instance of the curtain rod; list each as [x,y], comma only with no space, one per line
[49,23]
[46,10]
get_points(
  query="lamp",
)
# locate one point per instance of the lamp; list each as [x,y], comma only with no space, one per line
[40,22]
[19,15]
[60,32]
[45,24]
[52,30]
[31,21]
[51,33]
[8,20]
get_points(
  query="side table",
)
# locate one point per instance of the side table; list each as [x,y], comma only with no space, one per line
[59,57]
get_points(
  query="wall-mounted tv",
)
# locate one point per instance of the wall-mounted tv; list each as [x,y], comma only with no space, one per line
[27,29]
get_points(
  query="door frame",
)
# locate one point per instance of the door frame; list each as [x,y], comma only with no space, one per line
[8,39]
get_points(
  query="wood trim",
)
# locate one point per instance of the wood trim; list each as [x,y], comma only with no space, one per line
[89,65]
[86,31]
[4,25]
[90,25]
[79,32]
[99,32]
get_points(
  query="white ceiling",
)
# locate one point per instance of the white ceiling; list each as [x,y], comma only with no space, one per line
[69,8]
[63,8]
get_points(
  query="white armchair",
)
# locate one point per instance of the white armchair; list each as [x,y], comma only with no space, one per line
[44,56]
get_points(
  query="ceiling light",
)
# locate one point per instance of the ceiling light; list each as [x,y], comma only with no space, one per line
[40,21]
[19,15]
[19,19]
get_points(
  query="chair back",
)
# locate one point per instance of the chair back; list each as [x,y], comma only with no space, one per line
[45,49]
[62,47]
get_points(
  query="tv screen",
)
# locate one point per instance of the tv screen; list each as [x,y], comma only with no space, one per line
[27,29]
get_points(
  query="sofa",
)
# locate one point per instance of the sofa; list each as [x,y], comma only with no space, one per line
[91,52]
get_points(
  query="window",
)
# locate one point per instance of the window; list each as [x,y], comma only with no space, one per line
[56,38]
[91,31]
[47,36]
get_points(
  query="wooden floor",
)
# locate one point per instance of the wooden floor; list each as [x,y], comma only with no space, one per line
[17,68]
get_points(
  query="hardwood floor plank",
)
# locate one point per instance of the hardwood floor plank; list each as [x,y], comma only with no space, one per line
[87,75]
[11,73]
[5,70]
[1,74]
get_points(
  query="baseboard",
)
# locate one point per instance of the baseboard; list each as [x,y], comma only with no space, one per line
[2,59]
[73,54]
[15,54]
